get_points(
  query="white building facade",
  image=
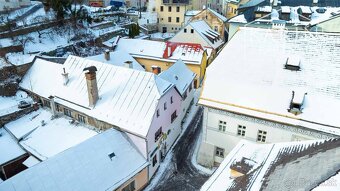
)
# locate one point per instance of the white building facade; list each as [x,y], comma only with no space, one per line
[252,91]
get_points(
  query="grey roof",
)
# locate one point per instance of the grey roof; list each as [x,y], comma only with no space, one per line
[180,75]
[103,162]
[321,3]
[280,166]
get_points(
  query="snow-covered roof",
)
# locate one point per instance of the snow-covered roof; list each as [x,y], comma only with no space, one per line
[154,50]
[127,98]
[192,12]
[10,104]
[180,75]
[266,9]
[207,34]
[9,148]
[118,58]
[221,17]
[103,162]
[44,140]
[19,58]
[275,165]
[31,161]
[256,83]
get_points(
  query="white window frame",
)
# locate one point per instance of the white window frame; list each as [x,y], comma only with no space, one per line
[241,130]
[219,152]
[222,125]
[261,136]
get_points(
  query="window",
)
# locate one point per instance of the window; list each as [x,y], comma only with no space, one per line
[162,8]
[169,19]
[222,125]
[57,107]
[177,9]
[241,130]
[261,136]
[235,11]
[157,113]
[158,134]
[165,106]
[67,112]
[185,30]
[177,19]
[171,100]
[129,187]
[173,116]
[81,118]
[216,28]
[185,95]
[169,8]
[47,103]
[219,152]
[154,160]
[192,30]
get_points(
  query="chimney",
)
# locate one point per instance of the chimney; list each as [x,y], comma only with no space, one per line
[156,69]
[65,76]
[169,51]
[275,2]
[91,81]
[53,108]
[315,2]
[107,55]
[128,64]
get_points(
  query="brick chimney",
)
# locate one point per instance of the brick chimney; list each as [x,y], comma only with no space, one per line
[156,69]
[107,55]
[91,81]
[65,76]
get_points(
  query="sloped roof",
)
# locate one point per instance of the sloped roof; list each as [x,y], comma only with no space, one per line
[86,166]
[221,17]
[118,58]
[255,82]
[155,50]
[10,149]
[206,33]
[43,141]
[127,98]
[279,166]
[321,3]
[180,75]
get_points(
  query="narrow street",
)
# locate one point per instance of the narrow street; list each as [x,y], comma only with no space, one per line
[180,174]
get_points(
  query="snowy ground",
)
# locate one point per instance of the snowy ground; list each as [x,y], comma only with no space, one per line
[19,58]
[161,36]
[10,104]
[164,178]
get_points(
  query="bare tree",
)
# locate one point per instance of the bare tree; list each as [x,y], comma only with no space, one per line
[23,40]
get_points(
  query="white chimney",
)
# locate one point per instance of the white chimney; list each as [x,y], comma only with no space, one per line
[128,64]
[107,55]
[53,108]
[65,76]
[275,3]
[315,2]
[169,51]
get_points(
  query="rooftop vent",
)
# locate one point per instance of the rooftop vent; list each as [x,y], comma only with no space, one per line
[65,76]
[293,63]
[111,155]
[296,103]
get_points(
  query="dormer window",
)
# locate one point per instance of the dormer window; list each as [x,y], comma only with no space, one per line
[293,63]
[296,103]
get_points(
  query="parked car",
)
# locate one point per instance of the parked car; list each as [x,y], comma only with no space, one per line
[23,104]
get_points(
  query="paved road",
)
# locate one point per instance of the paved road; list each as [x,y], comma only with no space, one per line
[180,174]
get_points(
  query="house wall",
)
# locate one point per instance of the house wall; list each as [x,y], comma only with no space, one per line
[231,9]
[213,21]
[172,26]
[276,132]
[170,130]
[189,37]
[198,69]
[186,103]
[328,26]
[140,179]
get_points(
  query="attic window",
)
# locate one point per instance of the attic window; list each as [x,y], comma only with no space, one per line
[185,30]
[293,63]
[111,155]
[192,30]
[296,103]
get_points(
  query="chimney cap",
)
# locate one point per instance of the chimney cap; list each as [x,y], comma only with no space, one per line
[90,69]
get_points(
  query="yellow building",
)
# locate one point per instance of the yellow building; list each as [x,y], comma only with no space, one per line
[157,56]
[171,14]
[231,6]
[215,20]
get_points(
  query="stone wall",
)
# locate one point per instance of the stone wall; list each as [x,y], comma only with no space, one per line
[13,116]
